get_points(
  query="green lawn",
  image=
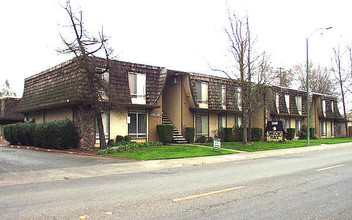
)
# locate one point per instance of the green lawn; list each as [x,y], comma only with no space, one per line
[261,146]
[169,152]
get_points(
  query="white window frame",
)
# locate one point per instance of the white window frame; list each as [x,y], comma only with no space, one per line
[239,100]
[238,121]
[298,127]
[205,132]
[289,123]
[324,128]
[277,102]
[287,101]
[221,119]
[137,134]
[323,107]
[332,106]
[299,104]
[139,95]
[106,125]
[203,97]
[332,128]
[223,96]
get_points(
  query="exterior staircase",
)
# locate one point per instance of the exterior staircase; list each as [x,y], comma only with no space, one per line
[177,137]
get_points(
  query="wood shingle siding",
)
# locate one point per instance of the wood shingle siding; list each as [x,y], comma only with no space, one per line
[214,91]
[66,84]
[8,109]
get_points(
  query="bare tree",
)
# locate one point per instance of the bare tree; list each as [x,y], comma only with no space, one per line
[341,77]
[85,48]
[251,69]
[6,90]
[282,77]
[320,79]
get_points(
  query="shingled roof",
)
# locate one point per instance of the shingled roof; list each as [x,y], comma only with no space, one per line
[214,91]
[8,109]
[65,84]
[283,110]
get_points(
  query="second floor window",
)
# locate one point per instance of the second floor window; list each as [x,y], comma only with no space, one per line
[332,106]
[323,107]
[202,94]
[238,98]
[137,83]
[277,102]
[287,100]
[299,104]
[223,96]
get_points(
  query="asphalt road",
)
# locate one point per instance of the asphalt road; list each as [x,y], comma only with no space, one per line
[16,160]
[308,185]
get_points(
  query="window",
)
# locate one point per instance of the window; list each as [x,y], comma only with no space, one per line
[202,94]
[104,76]
[238,97]
[202,125]
[332,128]
[106,124]
[137,127]
[299,104]
[323,128]
[323,107]
[222,121]
[287,100]
[137,83]
[223,96]
[277,102]
[288,123]
[238,121]
[298,126]
[332,106]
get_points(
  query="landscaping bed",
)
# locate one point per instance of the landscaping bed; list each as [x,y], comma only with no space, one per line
[262,146]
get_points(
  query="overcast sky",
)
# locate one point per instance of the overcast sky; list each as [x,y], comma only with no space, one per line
[183,35]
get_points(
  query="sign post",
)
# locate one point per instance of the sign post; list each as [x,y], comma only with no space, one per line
[217,144]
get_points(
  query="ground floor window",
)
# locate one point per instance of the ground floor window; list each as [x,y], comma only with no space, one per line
[332,128]
[287,123]
[298,126]
[323,128]
[137,125]
[106,124]
[222,121]
[238,121]
[202,125]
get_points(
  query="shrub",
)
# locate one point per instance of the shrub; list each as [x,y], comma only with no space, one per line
[302,134]
[110,143]
[126,139]
[127,146]
[190,134]
[165,133]
[221,134]
[290,133]
[201,139]
[257,134]
[119,139]
[20,133]
[210,139]
[312,133]
[238,134]
[228,134]
[54,135]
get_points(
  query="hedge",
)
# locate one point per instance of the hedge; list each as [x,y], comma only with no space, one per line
[228,136]
[165,133]
[190,134]
[257,134]
[53,135]
[290,133]
[127,146]
[238,134]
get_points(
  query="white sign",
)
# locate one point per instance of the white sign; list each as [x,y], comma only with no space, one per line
[217,143]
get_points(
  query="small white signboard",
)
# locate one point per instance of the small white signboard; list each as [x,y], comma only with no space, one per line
[217,144]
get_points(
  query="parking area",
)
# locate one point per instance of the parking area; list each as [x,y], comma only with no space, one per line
[17,160]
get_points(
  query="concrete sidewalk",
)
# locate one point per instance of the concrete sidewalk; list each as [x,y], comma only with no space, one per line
[26,177]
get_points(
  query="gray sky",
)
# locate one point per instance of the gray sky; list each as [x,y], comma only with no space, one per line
[183,35]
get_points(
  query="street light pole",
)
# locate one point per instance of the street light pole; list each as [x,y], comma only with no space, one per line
[307,69]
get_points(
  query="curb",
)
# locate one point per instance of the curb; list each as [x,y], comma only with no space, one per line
[67,152]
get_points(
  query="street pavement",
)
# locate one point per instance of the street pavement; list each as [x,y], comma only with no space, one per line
[301,183]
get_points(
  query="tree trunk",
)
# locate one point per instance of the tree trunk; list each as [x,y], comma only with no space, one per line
[101,130]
